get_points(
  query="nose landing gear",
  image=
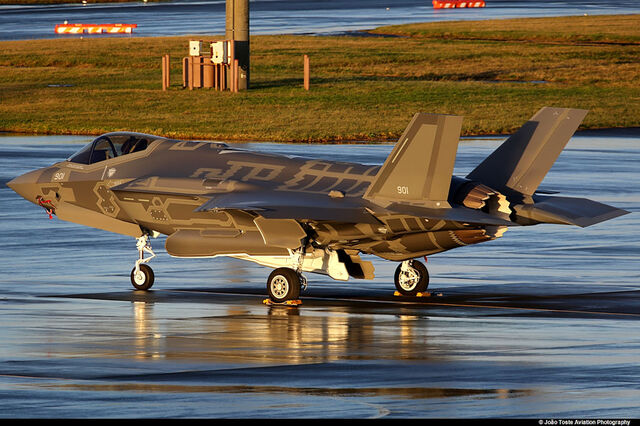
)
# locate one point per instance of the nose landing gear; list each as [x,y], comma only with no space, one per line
[142,275]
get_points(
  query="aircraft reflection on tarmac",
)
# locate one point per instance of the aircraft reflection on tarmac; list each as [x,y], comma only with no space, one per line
[329,328]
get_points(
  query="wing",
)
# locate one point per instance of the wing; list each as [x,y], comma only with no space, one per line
[292,205]
[274,204]
[277,205]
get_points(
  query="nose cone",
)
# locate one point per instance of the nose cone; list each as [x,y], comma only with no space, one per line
[26,185]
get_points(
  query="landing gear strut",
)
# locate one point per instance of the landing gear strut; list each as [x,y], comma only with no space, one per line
[411,278]
[142,275]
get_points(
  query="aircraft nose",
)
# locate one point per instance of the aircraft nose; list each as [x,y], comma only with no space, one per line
[26,185]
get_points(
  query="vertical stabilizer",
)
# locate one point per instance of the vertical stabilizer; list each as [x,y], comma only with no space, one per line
[418,170]
[523,160]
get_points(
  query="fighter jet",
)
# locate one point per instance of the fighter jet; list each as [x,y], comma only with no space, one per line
[299,215]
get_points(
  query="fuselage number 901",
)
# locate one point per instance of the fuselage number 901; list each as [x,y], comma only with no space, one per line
[403,190]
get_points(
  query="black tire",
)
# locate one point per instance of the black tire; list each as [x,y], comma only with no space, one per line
[144,280]
[283,284]
[411,286]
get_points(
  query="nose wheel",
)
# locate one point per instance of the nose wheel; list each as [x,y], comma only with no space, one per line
[142,279]
[142,275]
[411,278]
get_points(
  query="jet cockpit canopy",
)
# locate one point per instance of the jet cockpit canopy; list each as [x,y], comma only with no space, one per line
[112,145]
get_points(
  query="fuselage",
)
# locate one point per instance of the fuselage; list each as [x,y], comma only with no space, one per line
[307,215]
[158,189]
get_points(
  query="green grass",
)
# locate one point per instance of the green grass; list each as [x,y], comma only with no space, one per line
[573,29]
[362,88]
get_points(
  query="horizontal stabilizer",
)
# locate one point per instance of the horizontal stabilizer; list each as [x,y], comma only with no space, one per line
[566,210]
[523,160]
[418,170]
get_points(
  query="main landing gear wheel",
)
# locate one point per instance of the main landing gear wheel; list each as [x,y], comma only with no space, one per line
[283,285]
[411,278]
[143,278]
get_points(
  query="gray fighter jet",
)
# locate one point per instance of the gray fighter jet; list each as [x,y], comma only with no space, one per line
[300,215]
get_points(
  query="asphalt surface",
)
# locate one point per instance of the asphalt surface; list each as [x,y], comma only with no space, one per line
[542,323]
[207,17]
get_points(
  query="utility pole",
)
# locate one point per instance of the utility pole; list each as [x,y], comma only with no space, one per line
[237,29]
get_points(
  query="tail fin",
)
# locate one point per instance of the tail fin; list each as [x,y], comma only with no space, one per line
[523,160]
[419,168]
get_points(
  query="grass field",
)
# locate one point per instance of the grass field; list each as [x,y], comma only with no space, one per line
[495,73]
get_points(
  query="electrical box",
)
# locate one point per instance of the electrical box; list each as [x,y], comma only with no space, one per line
[195,47]
[219,52]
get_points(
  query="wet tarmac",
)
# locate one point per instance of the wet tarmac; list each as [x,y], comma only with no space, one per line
[542,323]
[207,17]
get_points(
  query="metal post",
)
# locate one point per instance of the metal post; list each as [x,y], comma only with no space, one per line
[237,29]
[190,81]
[167,80]
[232,60]
[223,77]
[185,72]
[236,79]
[164,72]
[306,72]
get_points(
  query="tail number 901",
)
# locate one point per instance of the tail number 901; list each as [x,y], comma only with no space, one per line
[402,190]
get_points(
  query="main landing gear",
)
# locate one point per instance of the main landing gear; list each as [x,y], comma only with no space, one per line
[284,284]
[411,278]
[142,275]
